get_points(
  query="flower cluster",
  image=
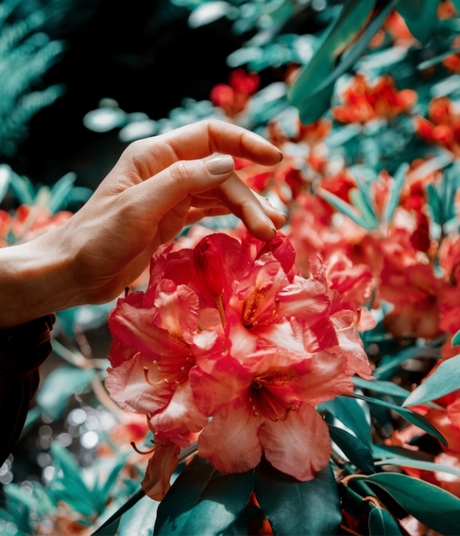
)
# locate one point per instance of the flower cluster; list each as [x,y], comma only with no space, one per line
[232,347]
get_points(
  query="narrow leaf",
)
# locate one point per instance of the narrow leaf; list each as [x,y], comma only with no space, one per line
[433,506]
[351,414]
[60,192]
[419,464]
[345,208]
[395,193]
[456,339]
[203,501]
[381,523]
[420,16]
[411,416]
[437,59]
[140,519]
[387,388]
[444,380]
[294,507]
[59,385]
[354,449]
[111,525]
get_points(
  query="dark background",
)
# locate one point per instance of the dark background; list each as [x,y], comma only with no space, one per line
[140,53]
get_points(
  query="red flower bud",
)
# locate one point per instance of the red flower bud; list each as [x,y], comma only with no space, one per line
[209,266]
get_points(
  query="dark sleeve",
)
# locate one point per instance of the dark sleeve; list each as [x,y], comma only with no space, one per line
[22,350]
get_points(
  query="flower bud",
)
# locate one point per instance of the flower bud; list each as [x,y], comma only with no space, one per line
[209,266]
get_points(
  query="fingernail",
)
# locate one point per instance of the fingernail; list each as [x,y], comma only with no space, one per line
[220,164]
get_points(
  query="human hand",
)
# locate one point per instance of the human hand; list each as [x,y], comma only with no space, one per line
[159,185]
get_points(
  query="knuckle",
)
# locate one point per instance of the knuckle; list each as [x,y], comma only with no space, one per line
[180,172]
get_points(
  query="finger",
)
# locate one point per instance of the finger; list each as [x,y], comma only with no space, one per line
[200,140]
[197,214]
[278,217]
[242,201]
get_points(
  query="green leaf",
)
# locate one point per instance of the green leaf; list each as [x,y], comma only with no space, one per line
[140,519]
[102,493]
[345,208]
[419,464]
[354,449]
[351,414]
[387,388]
[457,5]
[294,507]
[5,174]
[381,523]
[420,16]
[433,506]
[437,59]
[390,363]
[110,526]
[411,416]
[313,103]
[456,339]
[365,208]
[23,189]
[444,380]
[397,184]
[339,35]
[434,202]
[70,487]
[60,192]
[58,386]
[203,501]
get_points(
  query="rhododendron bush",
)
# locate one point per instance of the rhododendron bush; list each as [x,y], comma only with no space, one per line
[309,384]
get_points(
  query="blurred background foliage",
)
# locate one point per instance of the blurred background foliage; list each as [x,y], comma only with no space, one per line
[83,78]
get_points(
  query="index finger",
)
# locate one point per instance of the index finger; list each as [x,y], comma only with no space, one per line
[202,139]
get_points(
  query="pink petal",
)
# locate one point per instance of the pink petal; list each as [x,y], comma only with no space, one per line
[181,415]
[230,440]
[304,298]
[160,468]
[300,445]
[127,386]
[226,380]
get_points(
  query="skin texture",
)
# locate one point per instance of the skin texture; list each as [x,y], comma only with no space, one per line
[158,185]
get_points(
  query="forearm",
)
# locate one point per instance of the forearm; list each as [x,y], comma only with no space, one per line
[34,279]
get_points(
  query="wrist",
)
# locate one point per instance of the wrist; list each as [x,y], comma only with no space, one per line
[34,279]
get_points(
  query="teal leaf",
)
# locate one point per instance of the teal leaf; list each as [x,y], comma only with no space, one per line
[5,174]
[104,119]
[351,414]
[444,380]
[395,193]
[203,501]
[434,202]
[294,507]
[433,506]
[23,189]
[110,526]
[70,486]
[319,73]
[419,464]
[58,386]
[60,192]
[140,519]
[390,363]
[437,59]
[354,449]
[345,208]
[456,339]
[387,388]
[103,492]
[341,32]
[420,16]
[381,523]
[411,416]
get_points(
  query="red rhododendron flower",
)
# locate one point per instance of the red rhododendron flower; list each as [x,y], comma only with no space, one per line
[363,102]
[230,342]
[234,97]
[443,126]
